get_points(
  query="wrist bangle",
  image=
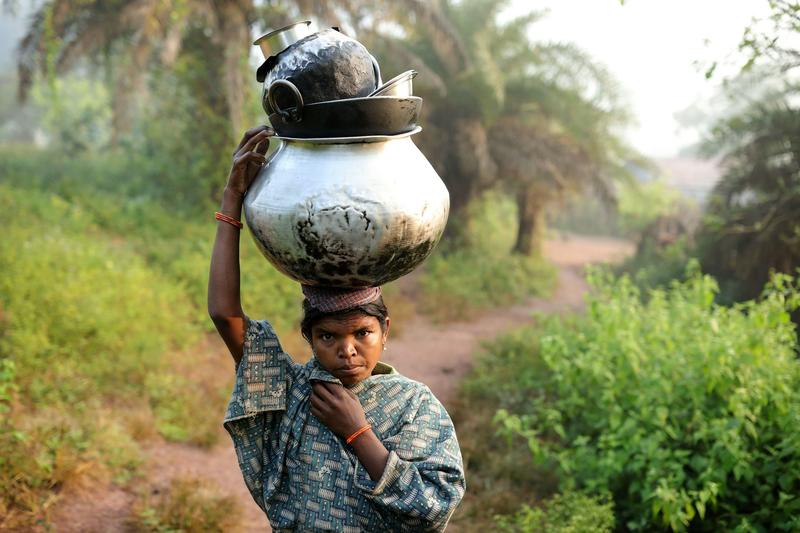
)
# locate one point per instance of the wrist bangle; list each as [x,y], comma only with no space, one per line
[358,432]
[230,220]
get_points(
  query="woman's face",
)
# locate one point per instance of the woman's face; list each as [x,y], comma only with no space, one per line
[349,346]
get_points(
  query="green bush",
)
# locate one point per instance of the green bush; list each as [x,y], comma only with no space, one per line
[654,267]
[563,513]
[686,412]
[80,309]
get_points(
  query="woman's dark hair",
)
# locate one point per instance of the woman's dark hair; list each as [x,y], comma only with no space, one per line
[312,315]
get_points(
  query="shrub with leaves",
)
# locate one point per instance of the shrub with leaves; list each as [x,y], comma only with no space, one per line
[686,412]
[570,512]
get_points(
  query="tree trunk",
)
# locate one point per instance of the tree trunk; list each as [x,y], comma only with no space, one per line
[471,169]
[236,42]
[468,170]
[530,233]
[129,87]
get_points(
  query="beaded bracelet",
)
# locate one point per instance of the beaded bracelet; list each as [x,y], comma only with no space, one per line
[230,220]
[358,432]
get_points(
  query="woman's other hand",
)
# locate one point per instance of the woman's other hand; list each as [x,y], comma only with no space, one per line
[248,158]
[337,408]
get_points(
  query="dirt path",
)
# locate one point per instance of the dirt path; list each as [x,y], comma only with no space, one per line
[438,355]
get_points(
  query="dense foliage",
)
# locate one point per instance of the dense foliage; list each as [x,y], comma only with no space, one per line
[686,412]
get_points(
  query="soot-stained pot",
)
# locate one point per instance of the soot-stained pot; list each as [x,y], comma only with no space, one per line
[347,212]
[326,65]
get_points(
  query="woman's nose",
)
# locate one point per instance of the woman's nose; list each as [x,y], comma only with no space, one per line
[347,348]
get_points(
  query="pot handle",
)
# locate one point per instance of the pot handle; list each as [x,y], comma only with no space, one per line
[376,68]
[290,114]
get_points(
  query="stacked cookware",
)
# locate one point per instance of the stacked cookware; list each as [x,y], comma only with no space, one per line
[346,199]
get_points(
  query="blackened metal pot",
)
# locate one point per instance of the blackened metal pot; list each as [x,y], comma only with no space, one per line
[347,212]
[352,117]
[326,65]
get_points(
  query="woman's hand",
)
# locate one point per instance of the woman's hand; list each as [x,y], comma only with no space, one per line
[248,159]
[337,408]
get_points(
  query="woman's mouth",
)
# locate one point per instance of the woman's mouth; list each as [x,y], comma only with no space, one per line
[350,370]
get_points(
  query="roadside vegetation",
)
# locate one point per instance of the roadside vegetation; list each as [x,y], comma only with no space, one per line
[101,326]
[680,411]
[188,505]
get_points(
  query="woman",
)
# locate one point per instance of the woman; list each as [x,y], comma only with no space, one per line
[342,443]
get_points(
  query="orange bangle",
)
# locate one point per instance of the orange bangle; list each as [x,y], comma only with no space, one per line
[230,220]
[358,432]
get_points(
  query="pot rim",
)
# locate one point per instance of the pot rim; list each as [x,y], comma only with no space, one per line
[350,140]
[404,77]
[282,41]
[365,98]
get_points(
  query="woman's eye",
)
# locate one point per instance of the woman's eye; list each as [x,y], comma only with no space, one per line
[326,336]
[364,332]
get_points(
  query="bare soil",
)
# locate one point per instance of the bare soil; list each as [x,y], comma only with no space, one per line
[439,355]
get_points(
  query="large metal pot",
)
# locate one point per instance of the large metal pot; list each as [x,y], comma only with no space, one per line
[347,212]
[326,65]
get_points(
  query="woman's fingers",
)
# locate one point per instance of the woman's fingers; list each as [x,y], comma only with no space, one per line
[249,134]
[254,141]
[317,403]
[262,147]
[322,391]
[334,389]
[250,157]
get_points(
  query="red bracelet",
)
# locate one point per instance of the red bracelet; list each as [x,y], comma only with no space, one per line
[358,432]
[230,220]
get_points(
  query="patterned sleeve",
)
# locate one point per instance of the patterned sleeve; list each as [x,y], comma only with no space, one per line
[423,481]
[257,403]
[263,374]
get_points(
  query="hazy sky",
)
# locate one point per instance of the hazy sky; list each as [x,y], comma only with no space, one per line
[650,47]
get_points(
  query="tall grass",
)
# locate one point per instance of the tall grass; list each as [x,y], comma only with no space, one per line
[189,506]
[102,324]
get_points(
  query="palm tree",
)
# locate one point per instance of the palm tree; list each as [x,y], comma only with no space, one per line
[752,226]
[539,118]
[558,134]
[449,44]
[127,38]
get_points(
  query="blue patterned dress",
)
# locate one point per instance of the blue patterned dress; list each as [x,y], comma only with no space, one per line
[307,479]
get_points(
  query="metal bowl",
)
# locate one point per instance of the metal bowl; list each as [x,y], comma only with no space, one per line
[351,117]
[400,85]
[276,41]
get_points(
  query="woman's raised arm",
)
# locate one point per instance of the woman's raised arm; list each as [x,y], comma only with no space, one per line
[224,302]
